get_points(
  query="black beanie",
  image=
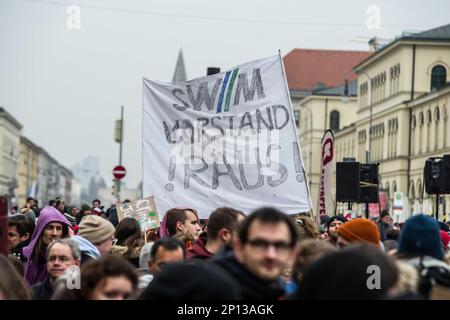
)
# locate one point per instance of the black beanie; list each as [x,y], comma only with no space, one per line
[383,214]
[334,218]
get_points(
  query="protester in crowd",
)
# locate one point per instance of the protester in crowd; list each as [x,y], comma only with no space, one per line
[264,250]
[390,246]
[111,213]
[60,205]
[51,226]
[358,230]
[88,250]
[14,210]
[186,239]
[332,226]
[306,228]
[407,285]
[322,223]
[165,251]
[85,210]
[384,225]
[222,226]
[145,277]
[192,282]
[99,212]
[98,231]
[96,203]
[71,215]
[61,255]
[27,210]
[445,239]
[180,220]
[20,231]
[112,216]
[345,274]
[109,278]
[128,240]
[309,251]
[12,286]
[420,245]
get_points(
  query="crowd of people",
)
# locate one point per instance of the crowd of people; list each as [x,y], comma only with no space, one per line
[64,252]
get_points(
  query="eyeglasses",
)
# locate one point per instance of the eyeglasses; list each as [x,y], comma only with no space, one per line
[263,245]
[63,259]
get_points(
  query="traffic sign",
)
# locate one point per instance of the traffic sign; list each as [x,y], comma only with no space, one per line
[119,172]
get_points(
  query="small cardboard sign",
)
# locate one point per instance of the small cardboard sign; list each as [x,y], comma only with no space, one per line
[143,210]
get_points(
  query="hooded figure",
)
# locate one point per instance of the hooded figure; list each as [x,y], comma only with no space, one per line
[36,266]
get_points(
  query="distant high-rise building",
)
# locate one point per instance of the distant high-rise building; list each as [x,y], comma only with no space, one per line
[180,72]
[87,173]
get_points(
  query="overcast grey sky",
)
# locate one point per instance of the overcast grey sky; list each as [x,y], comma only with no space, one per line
[66,86]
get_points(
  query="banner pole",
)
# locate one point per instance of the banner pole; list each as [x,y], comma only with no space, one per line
[296,133]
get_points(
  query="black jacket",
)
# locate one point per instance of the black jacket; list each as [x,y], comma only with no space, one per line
[17,251]
[251,287]
[42,290]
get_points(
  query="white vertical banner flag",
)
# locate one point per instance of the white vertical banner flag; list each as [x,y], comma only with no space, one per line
[228,139]
[324,203]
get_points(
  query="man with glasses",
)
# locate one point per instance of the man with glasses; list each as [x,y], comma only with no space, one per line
[265,248]
[61,255]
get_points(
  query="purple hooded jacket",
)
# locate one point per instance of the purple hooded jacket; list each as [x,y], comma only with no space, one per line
[35,271]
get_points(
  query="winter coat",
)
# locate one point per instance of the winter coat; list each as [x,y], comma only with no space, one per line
[42,290]
[131,253]
[251,287]
[198,249]
[434,277]
[384,228]
[18,251]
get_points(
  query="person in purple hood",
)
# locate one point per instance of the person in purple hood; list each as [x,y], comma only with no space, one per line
[51,225]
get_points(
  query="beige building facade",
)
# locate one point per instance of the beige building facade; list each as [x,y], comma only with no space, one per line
[28,170]
[403,95]
[9,159]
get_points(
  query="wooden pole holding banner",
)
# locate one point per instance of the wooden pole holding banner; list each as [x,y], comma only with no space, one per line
[4,225]
[298,143]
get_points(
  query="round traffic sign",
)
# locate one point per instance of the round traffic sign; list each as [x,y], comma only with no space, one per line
[119,172]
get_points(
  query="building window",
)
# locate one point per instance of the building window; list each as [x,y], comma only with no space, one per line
[438,77]
[334,120]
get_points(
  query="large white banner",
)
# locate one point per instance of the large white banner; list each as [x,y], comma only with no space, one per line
[324,203]
[224,140]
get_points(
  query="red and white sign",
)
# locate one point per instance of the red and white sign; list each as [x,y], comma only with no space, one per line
[119,172]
